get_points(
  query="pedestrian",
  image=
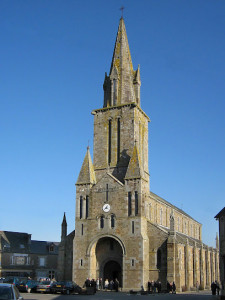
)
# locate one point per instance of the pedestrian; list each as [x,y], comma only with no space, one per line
[217,287]
[87,283]
[111,285]
[106,285]
[149,286]
[197,286]
[100,284]
[213,288]
[93,284]
[116,284]
[97,284]
[159,286]
[173,288]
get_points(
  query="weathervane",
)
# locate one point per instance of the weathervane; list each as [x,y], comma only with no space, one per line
[122,8]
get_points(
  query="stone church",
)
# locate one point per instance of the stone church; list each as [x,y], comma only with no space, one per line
[123,230]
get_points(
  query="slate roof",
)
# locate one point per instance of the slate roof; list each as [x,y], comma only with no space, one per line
[42,247]
[15,241]
[19,242]
[220,214]
[171,205]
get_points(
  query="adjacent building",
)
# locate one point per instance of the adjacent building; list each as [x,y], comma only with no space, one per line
[221,217]
[123,230]
[21,256]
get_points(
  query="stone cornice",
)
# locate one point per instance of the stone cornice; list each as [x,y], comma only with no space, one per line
[132,105]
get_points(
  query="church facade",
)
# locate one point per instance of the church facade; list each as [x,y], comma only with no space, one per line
[123,230]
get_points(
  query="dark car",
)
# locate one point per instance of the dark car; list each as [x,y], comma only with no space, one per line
[28,285]
[65,287]
[44,286]
[12,280]
[9,292]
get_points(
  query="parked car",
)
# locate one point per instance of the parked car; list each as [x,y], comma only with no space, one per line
[65,287]
[44,286]
[9,292]
[13,280]
[27,285]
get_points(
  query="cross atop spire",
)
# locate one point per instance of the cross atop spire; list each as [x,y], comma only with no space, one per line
[122,8]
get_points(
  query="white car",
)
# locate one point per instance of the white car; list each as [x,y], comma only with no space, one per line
[9,292]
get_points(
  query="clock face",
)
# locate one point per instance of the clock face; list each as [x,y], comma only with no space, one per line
[106,207]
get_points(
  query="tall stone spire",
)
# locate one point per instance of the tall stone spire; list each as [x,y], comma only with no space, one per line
[122,86]
[64,227]
[87,173]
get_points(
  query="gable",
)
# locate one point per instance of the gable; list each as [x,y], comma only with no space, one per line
[109,179]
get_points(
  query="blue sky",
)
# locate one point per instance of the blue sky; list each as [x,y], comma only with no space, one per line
[54,55]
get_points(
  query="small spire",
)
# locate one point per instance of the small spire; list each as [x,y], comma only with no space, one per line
[64,227]
[64,218]
[87,173]
[217,241]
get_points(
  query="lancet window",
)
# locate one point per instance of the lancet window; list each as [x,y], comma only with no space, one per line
[81,207]
[109,141]
[136,203]
[87,206]
[129,204]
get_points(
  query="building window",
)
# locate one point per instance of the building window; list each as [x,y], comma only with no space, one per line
[109,141]
[28,260]
[118,139]
[129,204]
[51,248]
[81,262]
[81,207]
[102,222]
[112,221]
[132,262]
[41,261]
[51,274]
[161,213]
[82,229]
[87,204]
[12,260]
[136,203]
[150,210]
[132,224]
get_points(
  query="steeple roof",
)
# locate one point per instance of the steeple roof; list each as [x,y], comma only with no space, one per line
[134,170]
[87,173]
[122,68]
[64,219]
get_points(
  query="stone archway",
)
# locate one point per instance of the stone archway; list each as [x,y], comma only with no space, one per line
[109,259]
[112,270]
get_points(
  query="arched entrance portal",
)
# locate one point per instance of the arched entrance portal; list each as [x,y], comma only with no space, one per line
[112,270]
[109,259]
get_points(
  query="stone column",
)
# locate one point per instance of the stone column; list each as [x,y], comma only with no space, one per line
[202,273]
[187,267]
[195,265]
[171,242]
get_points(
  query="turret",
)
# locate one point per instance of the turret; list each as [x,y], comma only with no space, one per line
[64,228]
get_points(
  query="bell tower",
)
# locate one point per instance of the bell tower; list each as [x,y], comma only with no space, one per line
[121,125]
[111,238]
